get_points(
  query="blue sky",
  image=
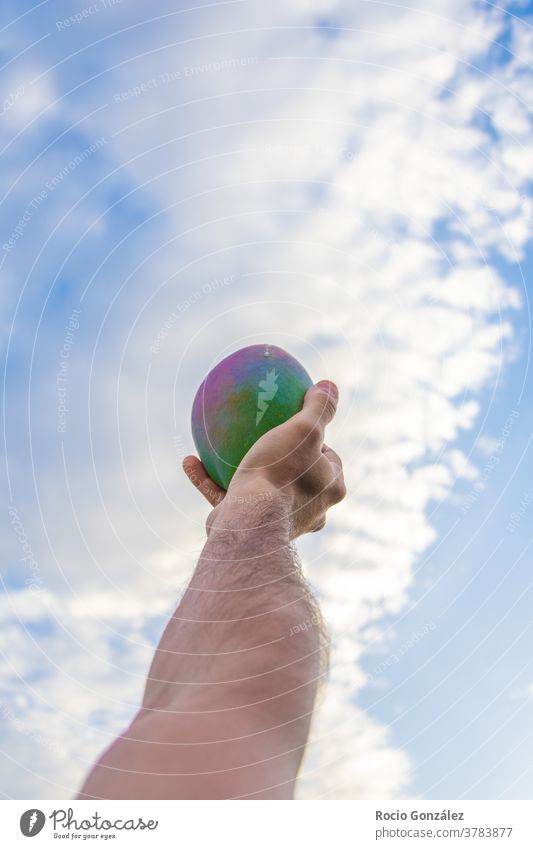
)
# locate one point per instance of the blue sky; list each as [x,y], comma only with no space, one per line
[181,183]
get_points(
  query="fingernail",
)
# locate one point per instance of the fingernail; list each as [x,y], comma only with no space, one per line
[330,387]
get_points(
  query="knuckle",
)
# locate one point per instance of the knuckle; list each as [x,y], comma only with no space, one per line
[335,457]
[337,490]
[299,427]
[314,431]
[321,524]
[329,404]
[306,429]
[330,408]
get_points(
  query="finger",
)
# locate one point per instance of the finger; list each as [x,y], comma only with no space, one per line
[333,458]
[198,476]
[337,487]
[320,403]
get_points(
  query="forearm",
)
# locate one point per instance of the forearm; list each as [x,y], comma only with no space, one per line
[231,689]
[229,641]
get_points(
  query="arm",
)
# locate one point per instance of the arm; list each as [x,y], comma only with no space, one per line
[231,689]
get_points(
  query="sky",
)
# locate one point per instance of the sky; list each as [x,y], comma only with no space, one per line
[350,181]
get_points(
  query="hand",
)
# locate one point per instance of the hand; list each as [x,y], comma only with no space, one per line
[290,462]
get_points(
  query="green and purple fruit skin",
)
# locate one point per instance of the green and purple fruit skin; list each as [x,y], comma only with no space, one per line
[243,397]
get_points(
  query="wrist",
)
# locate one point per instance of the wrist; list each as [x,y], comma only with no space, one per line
[251,504]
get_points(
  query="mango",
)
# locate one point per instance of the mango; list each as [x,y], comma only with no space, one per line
[247,394]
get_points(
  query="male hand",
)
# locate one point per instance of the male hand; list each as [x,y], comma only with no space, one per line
[290,463]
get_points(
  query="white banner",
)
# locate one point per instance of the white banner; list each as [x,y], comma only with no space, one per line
[268,825]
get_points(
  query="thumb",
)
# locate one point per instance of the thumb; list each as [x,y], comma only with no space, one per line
[320,402]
